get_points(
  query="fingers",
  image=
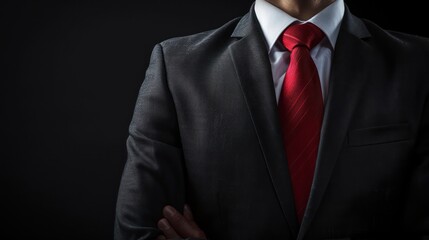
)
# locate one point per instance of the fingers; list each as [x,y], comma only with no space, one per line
[182,225]
[187,213]
[166,228]
[161,237]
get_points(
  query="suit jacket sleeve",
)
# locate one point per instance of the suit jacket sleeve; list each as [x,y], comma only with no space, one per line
[153,175]
[417,207]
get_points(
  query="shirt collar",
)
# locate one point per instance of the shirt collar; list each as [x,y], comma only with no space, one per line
[274,21]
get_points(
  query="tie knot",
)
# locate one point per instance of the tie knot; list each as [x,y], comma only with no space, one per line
[305,35]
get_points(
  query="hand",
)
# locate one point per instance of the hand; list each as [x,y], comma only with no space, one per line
[176,225]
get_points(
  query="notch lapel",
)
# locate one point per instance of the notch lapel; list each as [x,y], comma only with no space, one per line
[250,57]
[350,71]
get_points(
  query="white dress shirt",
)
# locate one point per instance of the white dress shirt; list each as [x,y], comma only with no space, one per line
[274,21]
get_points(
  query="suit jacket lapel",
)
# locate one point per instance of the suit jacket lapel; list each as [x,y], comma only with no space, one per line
[250,57]
[350,71]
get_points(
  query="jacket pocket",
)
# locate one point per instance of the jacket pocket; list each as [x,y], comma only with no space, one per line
[379,134]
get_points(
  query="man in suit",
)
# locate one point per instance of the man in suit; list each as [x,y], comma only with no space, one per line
[297,121]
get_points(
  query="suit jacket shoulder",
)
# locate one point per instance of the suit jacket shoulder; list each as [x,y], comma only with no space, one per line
[207,42]
[400,44]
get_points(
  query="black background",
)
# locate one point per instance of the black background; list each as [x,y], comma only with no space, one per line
[70,75]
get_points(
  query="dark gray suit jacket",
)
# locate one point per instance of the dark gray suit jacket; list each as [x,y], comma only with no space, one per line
[206,132]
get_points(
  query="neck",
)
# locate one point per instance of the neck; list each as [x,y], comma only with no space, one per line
[301,9]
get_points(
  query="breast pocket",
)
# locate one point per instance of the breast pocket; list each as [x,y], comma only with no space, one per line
[379,134]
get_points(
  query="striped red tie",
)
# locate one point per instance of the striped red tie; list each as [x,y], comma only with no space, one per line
[301,110]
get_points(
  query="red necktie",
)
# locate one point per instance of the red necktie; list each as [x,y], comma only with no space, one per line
[301,110]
